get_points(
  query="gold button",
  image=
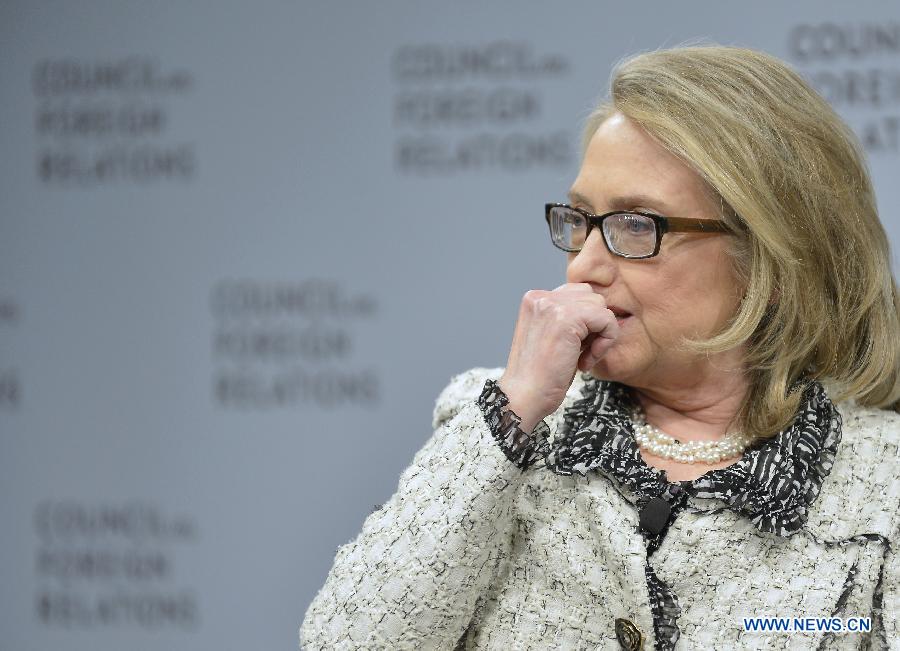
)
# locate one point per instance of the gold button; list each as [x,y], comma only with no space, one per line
[629,635]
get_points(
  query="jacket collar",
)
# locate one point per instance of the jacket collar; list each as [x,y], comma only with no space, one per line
[773,484]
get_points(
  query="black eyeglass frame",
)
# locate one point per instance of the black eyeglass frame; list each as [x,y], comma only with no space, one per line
[663,225]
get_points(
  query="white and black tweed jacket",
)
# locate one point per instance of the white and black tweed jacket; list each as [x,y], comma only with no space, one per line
[499,541]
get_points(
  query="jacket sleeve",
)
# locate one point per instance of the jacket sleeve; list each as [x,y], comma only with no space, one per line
[414,575]
[885,625]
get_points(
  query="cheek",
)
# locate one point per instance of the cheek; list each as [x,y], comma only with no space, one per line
[663,305]
[687,291]
[691,305]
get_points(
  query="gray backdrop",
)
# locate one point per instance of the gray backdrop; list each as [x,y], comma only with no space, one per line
[244,246]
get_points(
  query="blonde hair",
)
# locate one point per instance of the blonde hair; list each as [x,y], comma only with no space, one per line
[820,301]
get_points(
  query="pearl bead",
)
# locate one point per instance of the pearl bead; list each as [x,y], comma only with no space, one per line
[661,444]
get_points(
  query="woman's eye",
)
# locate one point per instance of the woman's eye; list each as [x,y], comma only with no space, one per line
[638,226]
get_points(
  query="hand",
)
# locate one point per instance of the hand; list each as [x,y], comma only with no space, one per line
[557,333]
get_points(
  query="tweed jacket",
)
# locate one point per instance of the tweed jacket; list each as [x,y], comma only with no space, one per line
[474,552]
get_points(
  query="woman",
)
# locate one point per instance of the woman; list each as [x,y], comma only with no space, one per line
[726,263]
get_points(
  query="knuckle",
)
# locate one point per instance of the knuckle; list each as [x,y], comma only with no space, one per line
[572,334]
[558,311]
[543,304]
[532,296]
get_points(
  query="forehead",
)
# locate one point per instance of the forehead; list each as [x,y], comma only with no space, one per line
[622,161]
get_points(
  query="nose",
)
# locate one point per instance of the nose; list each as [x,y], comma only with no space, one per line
[594,263]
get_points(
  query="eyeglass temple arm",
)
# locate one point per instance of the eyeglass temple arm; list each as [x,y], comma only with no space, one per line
[683,225]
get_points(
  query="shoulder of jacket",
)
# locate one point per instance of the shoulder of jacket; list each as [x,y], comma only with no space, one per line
[462,388]
[861,493]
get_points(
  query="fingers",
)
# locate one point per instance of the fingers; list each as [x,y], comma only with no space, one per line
[594,353]
[575,287]
[575,304]
[586,343]
[585,293]
[556,330]
[600,346]
[600,321]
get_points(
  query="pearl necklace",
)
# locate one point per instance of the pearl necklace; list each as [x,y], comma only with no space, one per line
[662,445]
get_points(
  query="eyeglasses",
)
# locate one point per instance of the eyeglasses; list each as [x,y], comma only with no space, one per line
[627,233]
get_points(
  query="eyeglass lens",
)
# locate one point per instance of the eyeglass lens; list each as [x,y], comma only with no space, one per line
[626,233]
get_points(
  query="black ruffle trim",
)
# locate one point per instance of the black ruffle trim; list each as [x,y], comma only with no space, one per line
[520,447]
[603,440]
[665,608]
[773,484]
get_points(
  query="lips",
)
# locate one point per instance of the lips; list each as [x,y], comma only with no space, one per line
[621,315]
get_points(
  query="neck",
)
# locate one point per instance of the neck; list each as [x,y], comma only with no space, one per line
[700,406]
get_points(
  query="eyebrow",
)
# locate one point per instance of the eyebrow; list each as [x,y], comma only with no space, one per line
[623,202]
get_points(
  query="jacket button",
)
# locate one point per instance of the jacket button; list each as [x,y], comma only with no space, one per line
[629,635]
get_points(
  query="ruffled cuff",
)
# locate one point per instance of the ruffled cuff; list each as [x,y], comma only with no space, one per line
[521,448]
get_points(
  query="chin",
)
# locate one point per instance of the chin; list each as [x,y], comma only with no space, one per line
[616,368]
